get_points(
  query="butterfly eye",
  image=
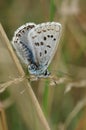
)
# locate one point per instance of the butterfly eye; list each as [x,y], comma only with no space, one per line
[32,67]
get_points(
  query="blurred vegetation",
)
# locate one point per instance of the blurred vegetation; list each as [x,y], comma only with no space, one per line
[64,105]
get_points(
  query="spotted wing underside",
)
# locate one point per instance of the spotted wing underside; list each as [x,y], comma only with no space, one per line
[44,39]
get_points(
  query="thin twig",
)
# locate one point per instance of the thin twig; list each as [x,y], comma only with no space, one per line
[3,86]
[78,84]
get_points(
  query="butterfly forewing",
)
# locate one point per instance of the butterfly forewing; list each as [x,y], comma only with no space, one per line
[21,43]
[44,38]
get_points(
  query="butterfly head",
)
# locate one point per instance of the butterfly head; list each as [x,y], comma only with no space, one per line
[39,72]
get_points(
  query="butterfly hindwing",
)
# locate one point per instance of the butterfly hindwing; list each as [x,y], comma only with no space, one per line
[44,38]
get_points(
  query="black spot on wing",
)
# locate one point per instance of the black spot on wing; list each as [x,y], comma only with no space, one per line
[18,35]
[41,43]
[48,46]
[45,51]
[23,31]
[54,39]
[51,36]
[44,30]
[40,53]
[39,32]
[34,36]
[36,43]
[44,38]
[48,36]
[30,27]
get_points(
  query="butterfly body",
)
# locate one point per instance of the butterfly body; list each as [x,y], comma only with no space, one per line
[36,45]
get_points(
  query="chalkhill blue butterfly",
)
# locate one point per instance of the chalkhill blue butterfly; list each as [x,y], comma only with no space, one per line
[36,45]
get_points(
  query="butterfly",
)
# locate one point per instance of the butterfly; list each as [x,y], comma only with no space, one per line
[36,45]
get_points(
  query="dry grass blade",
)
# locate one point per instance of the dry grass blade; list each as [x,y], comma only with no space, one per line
[3,124]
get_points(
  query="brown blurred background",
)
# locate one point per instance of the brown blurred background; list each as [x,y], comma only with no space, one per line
[64,106]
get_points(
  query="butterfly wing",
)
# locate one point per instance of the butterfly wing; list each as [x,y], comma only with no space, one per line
[21,44]
[44,38]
